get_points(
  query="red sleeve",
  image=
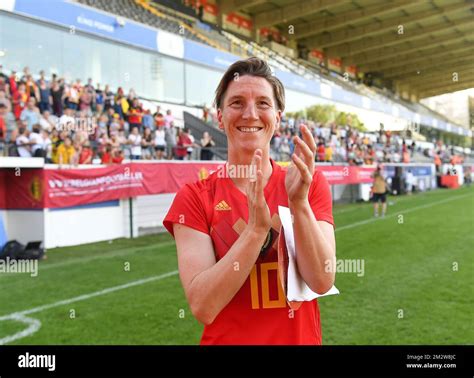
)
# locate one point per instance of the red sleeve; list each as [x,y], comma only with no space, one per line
[320,198]
[187,209]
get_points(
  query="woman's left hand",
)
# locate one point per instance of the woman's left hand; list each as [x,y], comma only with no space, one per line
[300,172]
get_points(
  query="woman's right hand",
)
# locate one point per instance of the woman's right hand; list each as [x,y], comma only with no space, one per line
[259,214]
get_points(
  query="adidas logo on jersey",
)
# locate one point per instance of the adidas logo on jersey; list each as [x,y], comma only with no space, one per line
[222,206]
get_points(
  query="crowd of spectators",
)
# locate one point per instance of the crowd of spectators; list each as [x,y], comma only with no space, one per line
[345,144]
[79,123]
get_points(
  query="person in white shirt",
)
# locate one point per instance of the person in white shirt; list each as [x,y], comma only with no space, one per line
[159,142]
[23,143]
[135,139]
[36,141]
[48,121]
[47,147]
[409,181]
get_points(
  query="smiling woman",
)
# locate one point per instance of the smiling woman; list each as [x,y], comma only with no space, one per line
[227,227]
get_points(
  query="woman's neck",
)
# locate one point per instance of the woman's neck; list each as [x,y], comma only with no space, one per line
[236,161]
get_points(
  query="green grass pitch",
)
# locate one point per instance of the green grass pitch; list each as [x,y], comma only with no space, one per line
[417,286]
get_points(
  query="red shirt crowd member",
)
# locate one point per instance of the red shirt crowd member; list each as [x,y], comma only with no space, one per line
[12,82]
[106,156]
[117,156]
[135,115]
[19,101]
[3,126]
[184,141]
[321,152]
[226,227]
[85,157]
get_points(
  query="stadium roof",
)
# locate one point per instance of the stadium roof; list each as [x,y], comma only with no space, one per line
[422,47]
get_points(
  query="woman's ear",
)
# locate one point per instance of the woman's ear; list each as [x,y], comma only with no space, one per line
[220,120]
[278,120]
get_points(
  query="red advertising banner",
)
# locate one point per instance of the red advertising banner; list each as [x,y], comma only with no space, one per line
[56,188]
[74,187]
[363,175]
[3,191]
[24,188]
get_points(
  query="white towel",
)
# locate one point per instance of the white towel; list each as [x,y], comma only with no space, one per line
[297,290]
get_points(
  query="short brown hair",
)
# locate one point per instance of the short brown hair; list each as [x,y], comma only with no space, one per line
[251,67]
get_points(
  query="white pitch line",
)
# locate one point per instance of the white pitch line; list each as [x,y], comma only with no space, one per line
[35,324]
[104,256]
[370,220]
[99,257]
[342,211]
[398,201]
[91,295]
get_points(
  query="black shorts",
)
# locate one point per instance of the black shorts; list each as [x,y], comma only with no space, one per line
[159,148]
[379,197]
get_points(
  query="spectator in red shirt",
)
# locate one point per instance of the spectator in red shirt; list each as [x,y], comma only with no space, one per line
[85,157]
[184,141]
[321,151]
[117,156]
[107,156]
[159,120]
[19,101]
[3,126]
[12,83]
[135,114]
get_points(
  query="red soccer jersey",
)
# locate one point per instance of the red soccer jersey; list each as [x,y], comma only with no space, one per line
[258,313]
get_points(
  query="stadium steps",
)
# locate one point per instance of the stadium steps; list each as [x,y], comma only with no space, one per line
[186,24]
[198,127]
[133,10]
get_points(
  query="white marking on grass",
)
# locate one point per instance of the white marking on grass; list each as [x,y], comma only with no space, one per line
[395,201]
[342,211]
[409,210]
[104,256]
[36,324]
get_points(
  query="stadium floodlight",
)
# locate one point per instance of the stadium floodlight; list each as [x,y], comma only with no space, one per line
[120,21]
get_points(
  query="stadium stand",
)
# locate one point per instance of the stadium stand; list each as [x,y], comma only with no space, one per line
[146,12]
[38,128]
